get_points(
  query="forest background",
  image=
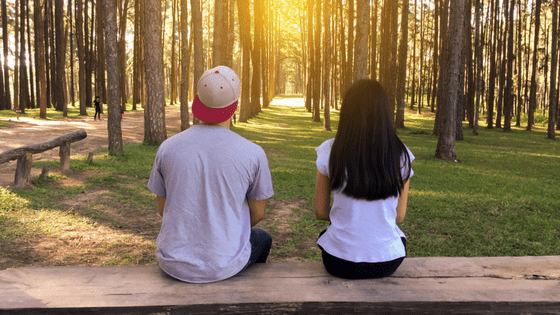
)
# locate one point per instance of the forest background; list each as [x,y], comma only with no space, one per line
[458,58]
[448,65]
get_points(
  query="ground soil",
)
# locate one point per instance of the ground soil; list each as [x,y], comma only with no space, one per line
[125,236]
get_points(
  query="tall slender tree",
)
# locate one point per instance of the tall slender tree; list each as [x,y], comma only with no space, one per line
[403,52]
[533,93]
[40,72]
[154,109]
[7,94]
[446,142]
[245,35]
[362,35]
[327,73]
[196,9]
[60,97]
[553,103]
[317,69]
[113,78]
[508,105]
[185,66]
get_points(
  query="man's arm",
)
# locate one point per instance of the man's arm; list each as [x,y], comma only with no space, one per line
[161,205]
[257,209]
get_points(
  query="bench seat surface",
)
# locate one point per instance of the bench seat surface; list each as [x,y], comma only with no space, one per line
[436,279]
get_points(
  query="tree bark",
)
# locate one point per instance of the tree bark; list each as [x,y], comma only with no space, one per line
[508,104]
[197,44]
[185,66]
[533,93]
[446,142]
[327,75]
[362,35]
[113,79]
[317,69]
[256,85]
[40,51]
[60,99]
[154,111]
[219,45]
[553,103]
[403,52]
[7,94]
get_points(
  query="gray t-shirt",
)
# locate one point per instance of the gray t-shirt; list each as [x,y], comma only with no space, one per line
[206,174]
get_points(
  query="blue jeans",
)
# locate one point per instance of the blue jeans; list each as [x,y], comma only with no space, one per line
[261,241]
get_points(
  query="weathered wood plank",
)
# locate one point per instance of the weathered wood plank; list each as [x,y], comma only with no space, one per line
[311,308]
[23,170]
[427,280]
[41,147]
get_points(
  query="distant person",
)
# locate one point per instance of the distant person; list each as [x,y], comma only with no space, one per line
[97,109]
[367,168]
[212,187]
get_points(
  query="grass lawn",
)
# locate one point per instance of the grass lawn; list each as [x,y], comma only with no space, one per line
[501,199]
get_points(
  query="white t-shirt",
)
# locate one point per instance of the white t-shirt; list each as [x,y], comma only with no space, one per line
[206,174]
[360,230]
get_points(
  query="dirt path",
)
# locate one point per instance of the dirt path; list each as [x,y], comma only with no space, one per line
[30,131]
[132,241]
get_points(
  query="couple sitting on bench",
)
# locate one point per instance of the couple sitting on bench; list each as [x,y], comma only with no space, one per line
[212,187]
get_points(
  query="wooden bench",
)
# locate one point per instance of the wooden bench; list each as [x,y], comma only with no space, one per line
[24,155]
[438,285]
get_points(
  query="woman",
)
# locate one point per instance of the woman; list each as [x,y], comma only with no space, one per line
[367,169]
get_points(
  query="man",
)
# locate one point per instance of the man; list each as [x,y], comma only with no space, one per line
[212,187]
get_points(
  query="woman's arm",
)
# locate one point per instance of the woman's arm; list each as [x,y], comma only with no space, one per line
[403,200]
[322,197]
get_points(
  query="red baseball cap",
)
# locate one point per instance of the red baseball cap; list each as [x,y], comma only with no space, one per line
[217,95]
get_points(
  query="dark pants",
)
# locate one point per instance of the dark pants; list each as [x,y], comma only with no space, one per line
[261,241]
[352,270]
[97,113]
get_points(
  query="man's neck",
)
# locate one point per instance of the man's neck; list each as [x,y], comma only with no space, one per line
[226,124]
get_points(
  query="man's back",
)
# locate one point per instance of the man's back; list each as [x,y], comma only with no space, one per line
[206,174]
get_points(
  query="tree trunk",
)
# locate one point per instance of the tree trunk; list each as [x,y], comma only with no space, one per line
[122,51]
[198,48]
[113,79]
[374,40]
[23,81]
[444,61]
[7,94]
[492,74]
[446,142]
[40,51]
[508,104]
[310,56]
[137,72]
[60,99]
[100,81]
[435,59]
[553,105]
[81,57]
[245,36]
[257,61]
[327,74]
[533,93]
[219,45]
[154,111]
[185,66]
[403,52]
[350,50]
[29,55]
[478,58]
[317,69]
[362,35]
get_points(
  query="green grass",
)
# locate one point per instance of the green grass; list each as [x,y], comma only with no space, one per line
[501,199]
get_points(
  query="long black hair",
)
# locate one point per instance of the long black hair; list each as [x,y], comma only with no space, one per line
[366,154]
